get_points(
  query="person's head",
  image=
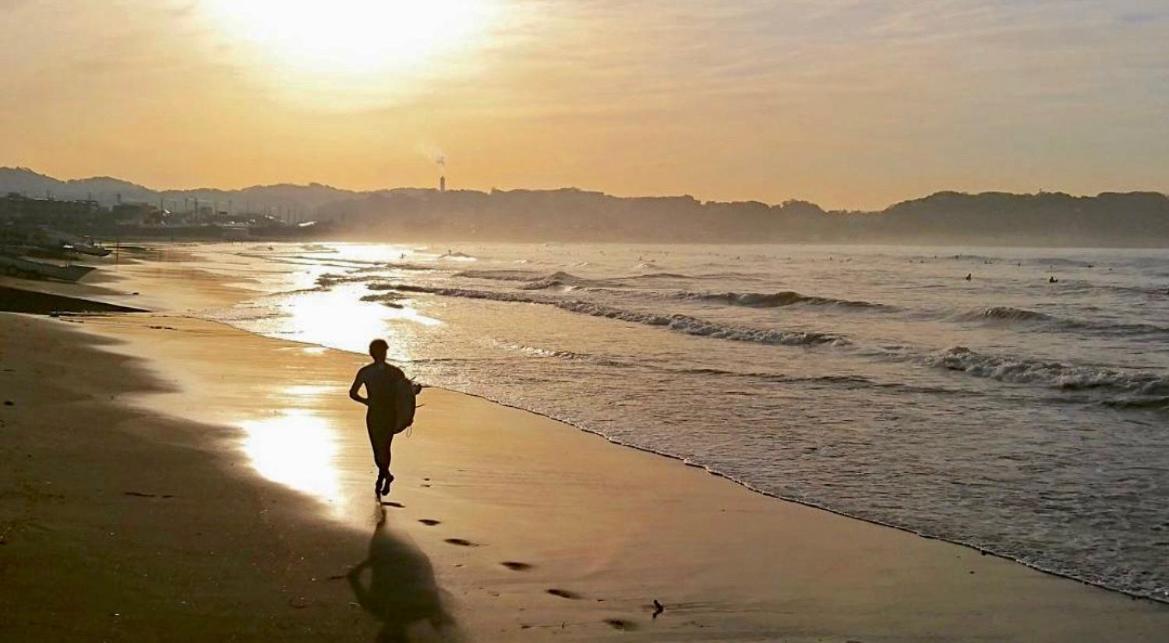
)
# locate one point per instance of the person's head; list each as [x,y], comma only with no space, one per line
[377,350]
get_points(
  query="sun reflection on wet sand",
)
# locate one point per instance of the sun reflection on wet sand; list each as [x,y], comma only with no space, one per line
[298,449]
[299,391]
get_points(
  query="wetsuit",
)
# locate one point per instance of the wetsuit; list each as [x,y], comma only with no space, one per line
[381,418]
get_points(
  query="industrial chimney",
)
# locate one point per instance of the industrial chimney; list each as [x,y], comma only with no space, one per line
[442,183]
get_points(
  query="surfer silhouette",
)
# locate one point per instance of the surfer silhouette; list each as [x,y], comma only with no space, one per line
[387,409]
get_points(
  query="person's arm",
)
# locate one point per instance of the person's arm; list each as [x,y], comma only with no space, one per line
[355,390]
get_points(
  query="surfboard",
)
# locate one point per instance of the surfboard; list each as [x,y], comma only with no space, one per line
[405,403]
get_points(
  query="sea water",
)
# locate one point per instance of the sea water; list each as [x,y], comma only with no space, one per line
[1023,410]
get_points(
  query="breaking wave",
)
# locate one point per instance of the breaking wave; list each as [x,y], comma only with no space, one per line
[1004,313]
[675,322]
[530,280]
[775,300]
[562,279]
[567,280]
[702,328]
[658,275]
[1139,403]
[1056,375]
[1009,315]
[499,275]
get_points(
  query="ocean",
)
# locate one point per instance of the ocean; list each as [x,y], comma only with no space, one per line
[1023,411]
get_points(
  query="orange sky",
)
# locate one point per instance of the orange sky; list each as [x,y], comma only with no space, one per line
[846,103]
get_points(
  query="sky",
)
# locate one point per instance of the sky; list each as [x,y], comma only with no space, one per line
[847,103]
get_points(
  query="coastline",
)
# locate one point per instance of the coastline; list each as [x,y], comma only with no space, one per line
[821,507]
[610,529]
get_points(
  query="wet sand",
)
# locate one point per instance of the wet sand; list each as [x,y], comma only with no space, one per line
[176,478]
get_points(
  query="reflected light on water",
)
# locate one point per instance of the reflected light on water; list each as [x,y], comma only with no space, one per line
[410,314]
[339,318]
[296,449]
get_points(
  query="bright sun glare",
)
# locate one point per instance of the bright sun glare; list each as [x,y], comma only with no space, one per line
[351,41]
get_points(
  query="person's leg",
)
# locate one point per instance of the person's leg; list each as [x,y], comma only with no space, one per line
[384,471]
[375,442]
[388,455]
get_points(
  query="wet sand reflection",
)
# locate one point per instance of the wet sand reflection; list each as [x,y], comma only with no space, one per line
[298,449]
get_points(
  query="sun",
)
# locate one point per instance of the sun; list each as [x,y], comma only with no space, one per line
[337,44]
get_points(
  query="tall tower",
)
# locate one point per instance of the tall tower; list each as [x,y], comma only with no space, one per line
[442,183]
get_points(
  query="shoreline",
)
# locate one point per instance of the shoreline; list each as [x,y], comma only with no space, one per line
[811,505]
[747,486]
[132,329]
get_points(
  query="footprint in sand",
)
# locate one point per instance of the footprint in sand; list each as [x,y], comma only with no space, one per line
[563,593]
[429,522]
[460,542]
[516,566]
[620,624]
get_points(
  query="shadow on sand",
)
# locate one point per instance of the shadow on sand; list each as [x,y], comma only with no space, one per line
[402,592]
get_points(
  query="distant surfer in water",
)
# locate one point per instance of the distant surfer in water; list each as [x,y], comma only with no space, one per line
[389,401]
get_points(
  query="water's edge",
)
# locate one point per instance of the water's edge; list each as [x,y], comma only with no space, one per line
[719,474]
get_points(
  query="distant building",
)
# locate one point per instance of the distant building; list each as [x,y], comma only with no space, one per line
[43,211]
[137,214]
[442,183]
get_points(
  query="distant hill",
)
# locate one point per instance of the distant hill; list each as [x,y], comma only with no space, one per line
[569,214]
[300,200]
[1138,219]
[1131,218]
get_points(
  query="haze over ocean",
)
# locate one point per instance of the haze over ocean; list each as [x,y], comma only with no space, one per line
[1006,412]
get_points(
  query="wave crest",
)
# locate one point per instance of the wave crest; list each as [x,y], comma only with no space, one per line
[675,322]
[1005,313]
[499,275]
[559,280]
[702,328]
[776,300]
[1008,314]
[1067,377]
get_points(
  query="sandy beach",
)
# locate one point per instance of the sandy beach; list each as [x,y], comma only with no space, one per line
[172,478]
